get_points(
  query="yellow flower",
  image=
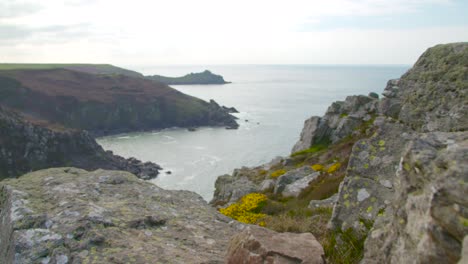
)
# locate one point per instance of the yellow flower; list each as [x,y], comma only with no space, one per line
[334,167]
[246,209]
[317,167]
[277,173]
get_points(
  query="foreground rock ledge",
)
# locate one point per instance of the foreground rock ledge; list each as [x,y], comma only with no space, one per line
[259,245]
[68,215]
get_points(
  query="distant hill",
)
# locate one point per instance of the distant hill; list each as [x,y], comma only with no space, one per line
[89,68]
[103,103]
[205,77]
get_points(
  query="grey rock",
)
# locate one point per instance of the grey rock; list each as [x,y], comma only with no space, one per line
[464,255]
[260,245]
[430,204]
[373,161]
[229,189]
[296,187]
[307,134]
[291,177]
[133,221]
[267,185]
[329,202]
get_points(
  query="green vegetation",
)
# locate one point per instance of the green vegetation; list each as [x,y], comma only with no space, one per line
[88,68]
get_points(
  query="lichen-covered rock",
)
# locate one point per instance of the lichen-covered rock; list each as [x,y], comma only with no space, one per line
[341,120]
[68,215]
[230,188]
[26,146]
[292,176]
[295,188]
[367,189]
[259,245]
[434,92]
[464,255]
[430,205]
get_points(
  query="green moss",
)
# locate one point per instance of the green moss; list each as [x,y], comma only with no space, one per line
[343,115]
[463,221]
[369,209]
[406,167]
[381,143]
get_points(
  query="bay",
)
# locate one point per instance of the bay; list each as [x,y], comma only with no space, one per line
[273,100]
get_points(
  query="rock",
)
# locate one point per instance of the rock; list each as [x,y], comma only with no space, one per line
[291,177]
[433,92]
[231,110]
[464,255]
[341,120]
[296,187]
[68,215]
[229,189]
[367,189]
[26,146]
[260,245]
[329,202]
[430,204]
[192,129]
[268,184]
[307,134]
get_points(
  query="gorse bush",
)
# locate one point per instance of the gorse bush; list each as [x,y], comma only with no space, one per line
[334,167]
[247,210]
[317,167]
[277,173]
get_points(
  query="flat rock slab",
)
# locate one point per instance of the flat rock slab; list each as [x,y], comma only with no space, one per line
[68,215]
[259,245]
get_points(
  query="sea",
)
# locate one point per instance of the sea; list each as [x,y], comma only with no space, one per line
[273,101]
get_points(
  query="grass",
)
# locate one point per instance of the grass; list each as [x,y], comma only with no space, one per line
[46,66]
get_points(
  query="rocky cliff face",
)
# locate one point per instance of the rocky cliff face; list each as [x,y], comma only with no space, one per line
[405,177]
[25,147]
[105,104]
[68,215]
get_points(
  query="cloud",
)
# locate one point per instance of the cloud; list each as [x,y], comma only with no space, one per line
[12,8]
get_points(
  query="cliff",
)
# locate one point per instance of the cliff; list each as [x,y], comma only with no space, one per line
[377,180]
[105,104]
[205,77]
[27,146]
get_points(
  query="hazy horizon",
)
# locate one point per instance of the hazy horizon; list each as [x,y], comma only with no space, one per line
[208,32]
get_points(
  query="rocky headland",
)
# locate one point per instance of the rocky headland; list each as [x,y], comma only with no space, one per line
[105,104]
[372,181]
[376,180]
[205,77]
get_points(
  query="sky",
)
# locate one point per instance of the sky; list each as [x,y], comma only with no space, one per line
[207,32]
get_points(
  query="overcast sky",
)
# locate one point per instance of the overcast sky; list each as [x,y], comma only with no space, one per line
[156,32]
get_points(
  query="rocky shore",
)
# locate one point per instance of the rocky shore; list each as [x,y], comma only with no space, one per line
[372,181]
[394,170]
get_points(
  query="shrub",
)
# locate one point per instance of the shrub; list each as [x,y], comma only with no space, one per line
[277,173]
[247,209]
[334,167]
[317,167]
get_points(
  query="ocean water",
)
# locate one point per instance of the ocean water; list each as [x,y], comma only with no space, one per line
[273,101]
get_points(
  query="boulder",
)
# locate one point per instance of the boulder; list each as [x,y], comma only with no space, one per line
[329,202]
[229,189]
[296,187]
[259,245]
[292,176]
[68,215]
[430,204]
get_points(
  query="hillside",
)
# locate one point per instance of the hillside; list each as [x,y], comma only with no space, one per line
[89,68]
[105,104]
[205,77]
[375,180]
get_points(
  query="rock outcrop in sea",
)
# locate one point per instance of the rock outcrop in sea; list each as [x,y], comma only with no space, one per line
[205,77]
[394,169]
